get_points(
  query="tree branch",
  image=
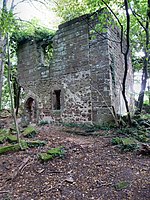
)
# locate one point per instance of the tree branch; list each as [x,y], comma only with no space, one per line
[121,26]
[139,21]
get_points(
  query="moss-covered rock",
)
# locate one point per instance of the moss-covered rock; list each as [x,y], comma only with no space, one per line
[45,157]
[58,151]
[36,143]
[23,145]
[9,148]
[11,138]
[30,132]
[51,154]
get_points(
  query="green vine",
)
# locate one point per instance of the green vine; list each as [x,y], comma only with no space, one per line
[25,32]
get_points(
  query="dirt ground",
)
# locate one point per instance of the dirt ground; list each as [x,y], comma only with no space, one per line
[90,170]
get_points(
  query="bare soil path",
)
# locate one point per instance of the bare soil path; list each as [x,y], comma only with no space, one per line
[92,169]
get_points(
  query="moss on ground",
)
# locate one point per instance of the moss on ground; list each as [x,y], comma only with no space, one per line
[45,157]
[36,143]
[52,153]
[23,145]
[11,138]
[9,148]
[58,151]
[29,132]
[122,185]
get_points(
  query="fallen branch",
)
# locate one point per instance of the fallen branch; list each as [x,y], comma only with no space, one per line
[3,191]
[22,166]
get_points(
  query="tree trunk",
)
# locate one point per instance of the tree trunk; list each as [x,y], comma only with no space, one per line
[126,62]
[145,63]
[1,67]
[2,54]
[17,90]
[10,92]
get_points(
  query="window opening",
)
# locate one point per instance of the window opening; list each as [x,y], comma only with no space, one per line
[56,99]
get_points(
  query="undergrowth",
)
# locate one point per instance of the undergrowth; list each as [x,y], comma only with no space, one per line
[132,138]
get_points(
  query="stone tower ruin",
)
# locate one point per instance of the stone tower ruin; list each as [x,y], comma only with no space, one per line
[82,80]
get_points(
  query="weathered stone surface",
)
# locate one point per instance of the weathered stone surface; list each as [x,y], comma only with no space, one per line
[83,80]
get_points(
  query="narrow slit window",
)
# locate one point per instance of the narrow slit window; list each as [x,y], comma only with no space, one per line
[56,99]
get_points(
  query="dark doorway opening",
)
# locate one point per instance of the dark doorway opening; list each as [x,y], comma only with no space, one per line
[31,109]
[56,99]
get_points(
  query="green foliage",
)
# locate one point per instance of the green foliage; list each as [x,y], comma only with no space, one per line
[145,116]
[126,144]
[29,31]
[4,131]
[69,9]
[131,138]
[7,21]
[116,141]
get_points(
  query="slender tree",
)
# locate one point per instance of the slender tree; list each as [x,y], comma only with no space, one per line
[146,55]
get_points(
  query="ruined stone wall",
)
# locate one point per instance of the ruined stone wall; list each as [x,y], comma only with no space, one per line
[100,73]
[70,72]
[116,65]
[82,82]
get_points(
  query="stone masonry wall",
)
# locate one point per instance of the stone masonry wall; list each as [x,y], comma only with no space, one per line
[79,84]
[116,64]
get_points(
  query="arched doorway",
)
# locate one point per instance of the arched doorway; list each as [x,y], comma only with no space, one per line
[31,109]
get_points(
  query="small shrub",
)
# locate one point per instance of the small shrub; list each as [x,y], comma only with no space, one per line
[125,144]
[116,141]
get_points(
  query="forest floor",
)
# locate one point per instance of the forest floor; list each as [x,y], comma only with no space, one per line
[92,169]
